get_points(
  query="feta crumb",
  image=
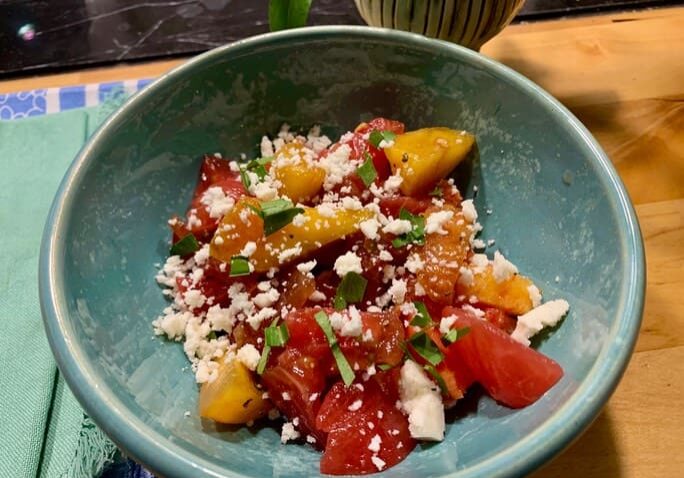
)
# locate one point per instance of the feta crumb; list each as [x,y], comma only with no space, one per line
[397,291]
[435,221]
[288,433]
[546,315]
[374,444]
[266,147]
[306,267]
[465,277]
[346,263]
[392,183]
[249,249]
[414,263]
[398,227]
[378,462]
[355,406]
[535,295]
[479,313]
[369,228]
[216,202]
[249,356]
[446,323]
[385,256]
[422,401]
[502,268]
[469,211]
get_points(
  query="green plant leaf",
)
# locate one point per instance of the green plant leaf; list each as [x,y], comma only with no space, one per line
[284,14]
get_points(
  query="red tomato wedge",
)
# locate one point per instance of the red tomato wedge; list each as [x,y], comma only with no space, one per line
[366,432]
[512,374]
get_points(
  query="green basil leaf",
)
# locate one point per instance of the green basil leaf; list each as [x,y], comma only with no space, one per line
[454,334]
[426,348]
[437,192]
[385,367]
[351,290]
[283,14]
[417,233]
[376,137]
[342,364]
[276,214]
[367,171]
[239,266]
[438,378]
[263,360]
[187,245]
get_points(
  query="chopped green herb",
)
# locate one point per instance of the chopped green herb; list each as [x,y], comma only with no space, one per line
[385,367]
[376,137]
[187,245]
[263,360]
[417,233]
[276,214]
[351,290]
[426,348]
[438,378]
[212,335]
[422,317]
[284,14]
[345,370]
[276,336]
[256,166]
[437,192]
[367,171]
[454,334]
[239,266]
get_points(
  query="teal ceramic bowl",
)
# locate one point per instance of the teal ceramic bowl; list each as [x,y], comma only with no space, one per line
[559,212]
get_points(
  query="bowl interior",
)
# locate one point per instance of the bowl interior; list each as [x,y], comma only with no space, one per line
[555,212]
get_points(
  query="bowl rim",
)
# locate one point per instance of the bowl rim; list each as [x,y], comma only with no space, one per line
[162,455]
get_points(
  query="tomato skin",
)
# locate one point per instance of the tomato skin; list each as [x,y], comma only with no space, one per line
[291,384]
[512,374]
[213,172]
[349,435]
[393,206]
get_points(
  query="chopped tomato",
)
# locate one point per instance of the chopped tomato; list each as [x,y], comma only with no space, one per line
[366,432]
[511,373]
[214,172]
[500,319]
[393,206]
[295,385]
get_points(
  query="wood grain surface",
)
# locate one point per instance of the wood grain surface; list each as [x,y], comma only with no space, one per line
[623,76]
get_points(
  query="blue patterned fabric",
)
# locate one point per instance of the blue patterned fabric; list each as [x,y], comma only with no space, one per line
[53,100]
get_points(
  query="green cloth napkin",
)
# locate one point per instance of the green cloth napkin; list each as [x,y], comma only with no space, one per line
[43,430]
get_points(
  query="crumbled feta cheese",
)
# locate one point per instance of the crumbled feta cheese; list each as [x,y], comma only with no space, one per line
[347,325]
[290,253]
[385,256]
[397,291]
[264,190]
[299,220]
[337,166]
[194,298]
[172,324]
[217,202]
[446,323]
[469,211]
[435,221]
[392,183]
[502,268]
[465,277]
[546,315]
[422,401]
[249,249]
[220,319]
[479,313]
[207,371]
[379,462]
[249,356]
[374,444]
[369,228]
[349,262]
[414,263]
[288,433]
[535,295]
[355,406]
[479,263]
[306,267]
[266,147]
[317,296]
[398,227]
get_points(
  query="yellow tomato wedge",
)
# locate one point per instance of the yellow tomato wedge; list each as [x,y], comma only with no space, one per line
[511,295]
[300,180]
[297,239]
[425,156]
[232,397]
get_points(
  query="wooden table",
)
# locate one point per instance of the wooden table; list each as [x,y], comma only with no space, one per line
[623,76]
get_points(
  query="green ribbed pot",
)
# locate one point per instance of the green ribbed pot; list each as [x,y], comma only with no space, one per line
[467,22]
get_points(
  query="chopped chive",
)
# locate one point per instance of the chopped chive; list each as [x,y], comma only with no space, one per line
[385,367]
[422,317]
[367,171]
[437,192]
[343,366]
[351,290]
[239,266]
[263,360]
[212,335]
[258,167]
[454,334]
[187,245]
[276,336]
[438,378]
[426,348]
[417,233]
[376,137]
